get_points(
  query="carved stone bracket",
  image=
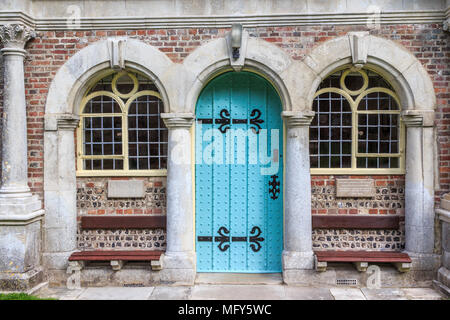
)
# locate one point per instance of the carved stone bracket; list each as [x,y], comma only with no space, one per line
[359,46]
[116,49]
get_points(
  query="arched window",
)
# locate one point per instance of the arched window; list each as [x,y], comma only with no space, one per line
[357,127]
[121,131]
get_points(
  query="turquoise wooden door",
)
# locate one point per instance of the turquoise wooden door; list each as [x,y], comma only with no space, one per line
[239,175]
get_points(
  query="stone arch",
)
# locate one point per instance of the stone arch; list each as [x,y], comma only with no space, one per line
[260,56]
[73,76]
[61,119]
[409,78]
[415,89]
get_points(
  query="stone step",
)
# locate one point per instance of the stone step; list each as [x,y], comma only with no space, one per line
[239,278]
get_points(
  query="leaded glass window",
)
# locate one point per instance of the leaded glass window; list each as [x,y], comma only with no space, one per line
[357,126]
[121,129]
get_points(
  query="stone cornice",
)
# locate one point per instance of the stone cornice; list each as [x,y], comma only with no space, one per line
[295,119]
[247,20]
[178,120]
[418,118]
[14,37]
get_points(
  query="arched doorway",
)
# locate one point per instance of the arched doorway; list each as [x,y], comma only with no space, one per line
[239,175]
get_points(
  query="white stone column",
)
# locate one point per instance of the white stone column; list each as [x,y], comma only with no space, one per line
[419,189]
[20,211]
[297,253]
[15,195]
[179,259]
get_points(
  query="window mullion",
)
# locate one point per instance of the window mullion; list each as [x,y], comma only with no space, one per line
[125,141]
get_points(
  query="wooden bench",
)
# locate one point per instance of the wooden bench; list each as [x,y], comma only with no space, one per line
[116,258]
[361,259]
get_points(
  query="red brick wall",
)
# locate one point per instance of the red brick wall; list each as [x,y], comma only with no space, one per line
[429,43]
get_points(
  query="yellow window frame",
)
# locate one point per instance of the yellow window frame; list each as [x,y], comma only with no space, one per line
[117,96]
[360,94]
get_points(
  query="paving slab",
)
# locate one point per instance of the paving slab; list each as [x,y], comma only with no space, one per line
[60,293]
[305,293]
[171,293]
[239,278]
[238,292]
[422,294]
[117,293]
[347,294]
[384,294]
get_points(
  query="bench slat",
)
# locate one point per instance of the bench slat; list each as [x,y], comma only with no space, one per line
[108,255]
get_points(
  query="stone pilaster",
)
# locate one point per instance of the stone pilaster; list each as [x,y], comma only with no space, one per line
[297,253]
[20,211]
[419,189]
[179,265]
[60,227]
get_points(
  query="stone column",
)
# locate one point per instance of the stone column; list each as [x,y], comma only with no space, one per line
[60,229]
[20,211]
[297,253]
[179,260]
[419,189]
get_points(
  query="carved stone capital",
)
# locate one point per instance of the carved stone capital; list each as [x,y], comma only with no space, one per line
[295,119]
[418,118]
[14,37]
[67,122]
[178,120]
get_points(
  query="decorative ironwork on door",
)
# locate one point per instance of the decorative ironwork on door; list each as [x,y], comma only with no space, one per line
[239,207]
[224,238]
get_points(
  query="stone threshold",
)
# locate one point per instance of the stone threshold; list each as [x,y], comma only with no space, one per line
[239,278]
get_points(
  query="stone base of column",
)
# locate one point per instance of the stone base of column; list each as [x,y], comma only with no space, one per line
[20,250]
[21,282]
[424,261]
[12,205]
[294,263]
[56,260]
[178,268]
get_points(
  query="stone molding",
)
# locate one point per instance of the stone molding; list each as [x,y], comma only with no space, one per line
[418,118]
[14,37]
[67,122]
[222,21]
[178,120]
[296,119]
[21,219]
